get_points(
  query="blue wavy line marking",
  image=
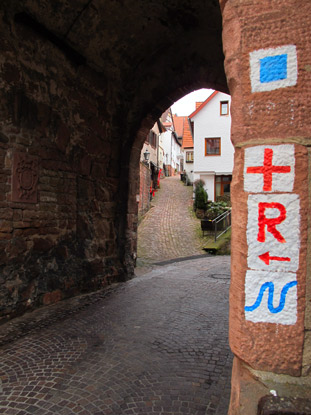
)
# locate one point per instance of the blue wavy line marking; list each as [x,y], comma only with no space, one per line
[270,286]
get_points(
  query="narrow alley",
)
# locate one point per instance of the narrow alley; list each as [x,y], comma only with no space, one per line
[169,230]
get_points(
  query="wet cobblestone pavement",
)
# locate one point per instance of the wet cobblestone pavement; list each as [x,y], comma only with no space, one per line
[154,345]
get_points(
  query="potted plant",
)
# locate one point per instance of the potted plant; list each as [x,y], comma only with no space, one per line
[214,209]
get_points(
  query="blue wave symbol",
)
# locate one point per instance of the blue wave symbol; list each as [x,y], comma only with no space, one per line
[270,286]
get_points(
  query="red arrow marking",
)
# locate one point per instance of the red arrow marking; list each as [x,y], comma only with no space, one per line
[266,258]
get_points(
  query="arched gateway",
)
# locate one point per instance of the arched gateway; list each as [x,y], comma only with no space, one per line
[81,84]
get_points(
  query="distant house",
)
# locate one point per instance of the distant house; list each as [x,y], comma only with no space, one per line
[171,145]
[163,148]
[213,150]
[183,131]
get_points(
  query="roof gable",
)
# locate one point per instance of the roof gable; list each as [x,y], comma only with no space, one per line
[179,125]
[203,104]
[187,140]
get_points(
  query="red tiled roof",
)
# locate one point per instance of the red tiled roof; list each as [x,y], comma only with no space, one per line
[187,140]
[179,125]
[203,104]
[197,104]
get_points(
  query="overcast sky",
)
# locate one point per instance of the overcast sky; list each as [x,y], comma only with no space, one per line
[186,105]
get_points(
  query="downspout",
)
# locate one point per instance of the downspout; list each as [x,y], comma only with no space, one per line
[171,154]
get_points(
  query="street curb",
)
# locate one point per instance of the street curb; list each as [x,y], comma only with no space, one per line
[186,258]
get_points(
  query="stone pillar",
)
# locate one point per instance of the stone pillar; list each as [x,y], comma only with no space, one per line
[267,49]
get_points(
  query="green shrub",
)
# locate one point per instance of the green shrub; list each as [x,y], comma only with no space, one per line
[200,195]
[201,198]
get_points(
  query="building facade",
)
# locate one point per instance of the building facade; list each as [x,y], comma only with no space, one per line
[170,144]
[213,149]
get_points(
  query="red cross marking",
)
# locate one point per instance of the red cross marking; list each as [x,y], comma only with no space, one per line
[267,169]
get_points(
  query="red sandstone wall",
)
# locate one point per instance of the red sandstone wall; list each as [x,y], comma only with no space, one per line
[65,241]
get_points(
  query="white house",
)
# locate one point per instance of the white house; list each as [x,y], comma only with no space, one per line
[213,150]
[182,128]
[168,140]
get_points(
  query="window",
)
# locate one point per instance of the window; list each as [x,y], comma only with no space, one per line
[222,185]
[212,146]
[224,108]
[189,157]
[152,139]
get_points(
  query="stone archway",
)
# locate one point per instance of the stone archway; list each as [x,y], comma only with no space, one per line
[76,82]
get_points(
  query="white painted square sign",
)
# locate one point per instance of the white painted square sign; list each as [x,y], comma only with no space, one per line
[269,169]
[273,232]
[271,297]
[273,68]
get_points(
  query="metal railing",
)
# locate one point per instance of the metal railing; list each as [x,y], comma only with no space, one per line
[225,219]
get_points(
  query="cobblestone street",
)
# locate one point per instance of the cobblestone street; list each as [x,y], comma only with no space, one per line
[169,230]
[154,345]
[157,344]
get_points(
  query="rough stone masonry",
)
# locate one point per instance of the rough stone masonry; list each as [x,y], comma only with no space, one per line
[82,82]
